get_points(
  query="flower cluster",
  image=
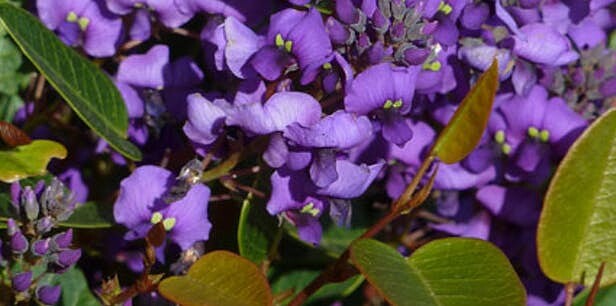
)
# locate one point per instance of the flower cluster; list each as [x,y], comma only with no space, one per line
[34,249]
[347,95]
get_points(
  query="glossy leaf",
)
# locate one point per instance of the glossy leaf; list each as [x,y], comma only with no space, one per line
[605,297]
[28,160]
[256,233]
[293,281]
[452,271]
[90,215]
[577,228]
[75,290]
[219,278]
[464,130]
[85,88]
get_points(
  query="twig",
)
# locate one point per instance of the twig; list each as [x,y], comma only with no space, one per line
[569,289]
[595,286]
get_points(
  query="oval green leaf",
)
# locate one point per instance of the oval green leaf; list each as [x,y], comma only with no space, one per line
[605,297]
[577,228]
[28,160]
[219,278]
[464,130]
[90,215]
[75,290]
[88,91]
[452,271]
[256,233]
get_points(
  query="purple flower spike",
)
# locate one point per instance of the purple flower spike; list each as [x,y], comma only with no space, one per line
[21,282]
[83,22]
[145,70]
[48,295]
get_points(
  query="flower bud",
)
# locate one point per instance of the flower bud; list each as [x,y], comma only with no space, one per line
[68,258]
[347,12]
[19,243]
[338,33]
[11,227]
[40,247]
[380,22]
[48,295]
[44,225]
[63,241]
[29,203]
[21,282]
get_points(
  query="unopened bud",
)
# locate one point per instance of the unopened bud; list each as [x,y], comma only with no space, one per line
[21,282]
[48,295]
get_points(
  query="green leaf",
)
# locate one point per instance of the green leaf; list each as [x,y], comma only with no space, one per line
[577,228]
[75,291]
[10,60]
[465,128]
[6,208]
[256,233]
[85,88]
[452,271]
[9,105]
[90,215]
[605,297]
[219,278]
[296,280]
[28,160]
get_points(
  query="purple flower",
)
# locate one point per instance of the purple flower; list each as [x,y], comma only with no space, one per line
[303,202]
[293,36]
[387,91]
[185,219]
[83,22]
[166,10]
[542,44]
[278,112]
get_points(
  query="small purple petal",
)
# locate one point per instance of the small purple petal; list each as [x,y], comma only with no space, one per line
[269,62]
[134,207]
[277,151]
[281,110]
[241,44]
[339,130]
[145,70]
[474,15]
[190,213]
[352,180]
[323,168]
[205,119]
